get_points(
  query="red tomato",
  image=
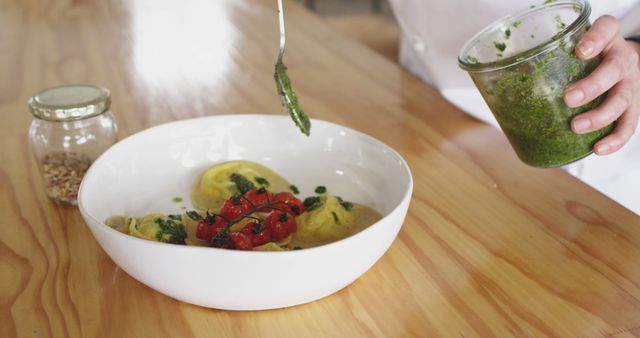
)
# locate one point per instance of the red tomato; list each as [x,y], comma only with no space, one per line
[280,224]
[259,197]
[263,237]
[258,233]
[207,231]
[233,208]
[291,205]
[241,241]
[248,229]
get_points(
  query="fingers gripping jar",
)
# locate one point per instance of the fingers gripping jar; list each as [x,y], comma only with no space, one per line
[522,64]
[72,126]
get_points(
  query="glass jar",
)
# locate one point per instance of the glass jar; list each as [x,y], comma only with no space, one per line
[72,126]
[522,65]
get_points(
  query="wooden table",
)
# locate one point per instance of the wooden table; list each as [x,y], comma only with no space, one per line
[490,247]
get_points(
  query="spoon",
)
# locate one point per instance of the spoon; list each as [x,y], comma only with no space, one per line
[285,89]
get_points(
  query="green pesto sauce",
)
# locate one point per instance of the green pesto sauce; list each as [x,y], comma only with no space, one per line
[527,100]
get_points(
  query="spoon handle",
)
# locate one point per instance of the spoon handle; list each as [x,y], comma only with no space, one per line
[282,36]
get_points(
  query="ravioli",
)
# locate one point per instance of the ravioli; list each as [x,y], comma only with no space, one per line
[155,227]
[215,185]
[330,221]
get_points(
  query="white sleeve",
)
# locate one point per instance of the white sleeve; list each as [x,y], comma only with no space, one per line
[630,22]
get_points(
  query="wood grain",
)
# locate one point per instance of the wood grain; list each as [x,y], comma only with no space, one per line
[490,246]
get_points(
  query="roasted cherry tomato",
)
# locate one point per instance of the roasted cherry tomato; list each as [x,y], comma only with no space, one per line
[280,224]
[258,233]
[241,241]
[234,207]
[291,203]
[248,229]
[207,228]
[263,237]
[259,197]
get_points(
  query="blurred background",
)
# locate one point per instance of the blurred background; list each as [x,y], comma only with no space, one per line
[369,22]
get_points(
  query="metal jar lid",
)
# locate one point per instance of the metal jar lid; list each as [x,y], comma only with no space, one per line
[70,102]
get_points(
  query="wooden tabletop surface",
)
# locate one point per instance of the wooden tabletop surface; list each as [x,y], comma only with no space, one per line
[490,247]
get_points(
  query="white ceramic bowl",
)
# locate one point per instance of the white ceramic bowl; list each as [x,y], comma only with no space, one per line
[142,173]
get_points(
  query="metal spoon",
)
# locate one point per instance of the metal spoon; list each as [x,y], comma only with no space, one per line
[285,90]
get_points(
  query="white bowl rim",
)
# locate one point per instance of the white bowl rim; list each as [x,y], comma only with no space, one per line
[328,246]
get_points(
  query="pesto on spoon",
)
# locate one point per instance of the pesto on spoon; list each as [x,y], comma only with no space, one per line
[285,89]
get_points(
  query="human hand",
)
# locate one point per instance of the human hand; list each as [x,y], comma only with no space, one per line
[619,72]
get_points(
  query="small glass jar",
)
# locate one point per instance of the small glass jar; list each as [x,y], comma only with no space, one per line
[72,126]
[522,65]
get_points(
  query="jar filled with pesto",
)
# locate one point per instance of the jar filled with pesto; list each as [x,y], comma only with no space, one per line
[522,65]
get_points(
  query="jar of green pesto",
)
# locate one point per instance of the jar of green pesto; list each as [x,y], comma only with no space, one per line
[522,64]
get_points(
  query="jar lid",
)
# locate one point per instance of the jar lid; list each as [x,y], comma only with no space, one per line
[70,102]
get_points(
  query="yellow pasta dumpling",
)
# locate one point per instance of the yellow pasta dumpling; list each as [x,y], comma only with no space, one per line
[222,181]
[327,222]
[330,219]
[155,227]
[120,223]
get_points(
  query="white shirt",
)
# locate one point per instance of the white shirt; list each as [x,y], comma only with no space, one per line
[433,34]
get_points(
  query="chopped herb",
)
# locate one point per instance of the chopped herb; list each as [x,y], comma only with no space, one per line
[242,183]
[194,215]
[533,36]
[210,218]
[296,248]
[335,217]
[546,2]
[283,217]
[176,199]
[472,59]
[235,199]
[321,189]
[507,33]
[175,217]
[345,204]
[256,228]
[517,23]
[183,208]
[170,231]
[312,202]
[295,209]
[262,181]
[294,189]
[501,46]
[222,238]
